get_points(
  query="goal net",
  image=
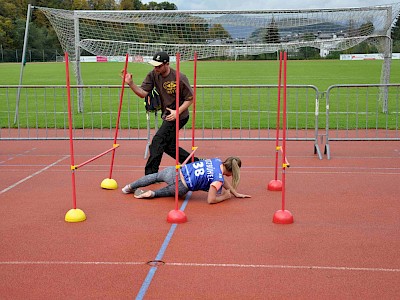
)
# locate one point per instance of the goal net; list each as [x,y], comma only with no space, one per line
[221,33]
[218,33]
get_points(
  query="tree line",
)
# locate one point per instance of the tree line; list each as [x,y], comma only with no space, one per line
[43,44]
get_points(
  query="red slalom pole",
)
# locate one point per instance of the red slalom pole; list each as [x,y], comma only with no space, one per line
[194,100]
[121,97]
[284,165]
[176,215]
[278,115]
[71,143]
[177,129]
[284,216]
[109,183]
[74,214]
[275,184]
[190,156]
[96,157]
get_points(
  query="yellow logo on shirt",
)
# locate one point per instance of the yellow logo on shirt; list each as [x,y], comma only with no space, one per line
[170,87]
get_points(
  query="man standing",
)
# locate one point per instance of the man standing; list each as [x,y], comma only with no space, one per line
[163,79]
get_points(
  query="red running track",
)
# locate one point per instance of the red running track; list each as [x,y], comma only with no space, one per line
[344,242]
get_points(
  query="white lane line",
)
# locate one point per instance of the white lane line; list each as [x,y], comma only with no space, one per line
[330,268]
[285,267]
[17,155]
[70,263]
[33,175]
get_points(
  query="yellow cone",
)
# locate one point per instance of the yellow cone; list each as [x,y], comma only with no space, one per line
[109,184]
[75,215]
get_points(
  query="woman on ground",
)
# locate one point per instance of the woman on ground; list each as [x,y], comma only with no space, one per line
[207,175]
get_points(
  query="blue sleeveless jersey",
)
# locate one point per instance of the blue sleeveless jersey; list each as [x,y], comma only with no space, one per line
[200,174]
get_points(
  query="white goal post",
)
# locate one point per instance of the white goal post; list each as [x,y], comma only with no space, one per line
[221,33]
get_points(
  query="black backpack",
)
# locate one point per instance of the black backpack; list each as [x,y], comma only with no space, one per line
[152,102]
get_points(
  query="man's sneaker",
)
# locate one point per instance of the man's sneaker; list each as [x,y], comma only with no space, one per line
[127,189]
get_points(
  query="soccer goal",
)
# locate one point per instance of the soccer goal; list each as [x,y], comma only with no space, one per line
[214,34]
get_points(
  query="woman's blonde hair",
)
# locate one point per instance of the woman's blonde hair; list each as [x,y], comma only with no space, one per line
[232,164]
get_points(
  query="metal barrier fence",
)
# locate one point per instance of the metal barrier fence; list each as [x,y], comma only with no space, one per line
[364,112]
[242,112]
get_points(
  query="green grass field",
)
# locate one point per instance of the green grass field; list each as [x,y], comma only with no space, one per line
[320,73]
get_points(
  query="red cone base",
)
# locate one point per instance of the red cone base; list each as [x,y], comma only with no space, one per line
[176,216]
[283,217]
[275,185]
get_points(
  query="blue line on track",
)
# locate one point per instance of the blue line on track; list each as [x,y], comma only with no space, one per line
[152,271]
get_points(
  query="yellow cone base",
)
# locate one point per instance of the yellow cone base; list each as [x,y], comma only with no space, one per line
[75,215]
[109,184]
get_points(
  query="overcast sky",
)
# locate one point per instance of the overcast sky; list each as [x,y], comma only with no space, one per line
[269,4]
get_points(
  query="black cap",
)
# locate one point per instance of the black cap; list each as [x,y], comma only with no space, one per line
[159,58]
